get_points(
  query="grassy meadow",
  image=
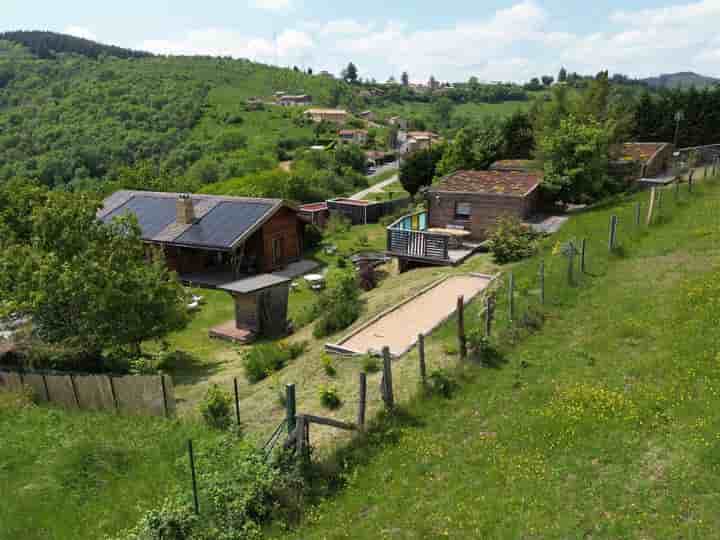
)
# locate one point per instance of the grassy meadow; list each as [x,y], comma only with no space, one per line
[601,424]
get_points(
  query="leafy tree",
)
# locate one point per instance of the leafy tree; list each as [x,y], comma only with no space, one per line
[576,161]
[562,75]
[350,73]
[352,156]
[87,283]
[405,78]
[472,148]
[518,136]
[442,110]
[547,80]
[534,84]
[419,169]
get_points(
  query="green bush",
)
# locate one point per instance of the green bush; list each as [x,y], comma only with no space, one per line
[442,383]
[265,359]
[512,240]
[329,397]
[370,364]
[216,408]
[338,224]
[339,305]
[328,366]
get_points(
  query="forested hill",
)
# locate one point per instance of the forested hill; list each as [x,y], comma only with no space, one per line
[76,120]
[685,79]
[51,44]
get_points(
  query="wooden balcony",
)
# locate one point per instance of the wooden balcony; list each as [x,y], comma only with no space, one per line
[409,240]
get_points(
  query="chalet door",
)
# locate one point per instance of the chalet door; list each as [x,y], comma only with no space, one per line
[278,252]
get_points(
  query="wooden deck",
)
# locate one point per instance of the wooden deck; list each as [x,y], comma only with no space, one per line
[408,242]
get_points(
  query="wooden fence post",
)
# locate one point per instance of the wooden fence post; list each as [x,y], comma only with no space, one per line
[637,213]
[290,407]
[511,297]
[677,188]
[75,392]
[690,181]
[362,401]
[651,206]
[421,354]
[541,279]
[583,249]
[571,263]
[47,390]
[613,233]
[237,401]
[462,343]
[114,393]
[387,383]
[196,503]
[489,313]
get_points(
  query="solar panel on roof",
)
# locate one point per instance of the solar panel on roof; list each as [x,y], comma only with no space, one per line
[224,224]
[153,213]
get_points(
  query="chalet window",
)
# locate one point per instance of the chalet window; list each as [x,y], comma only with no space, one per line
[463,210]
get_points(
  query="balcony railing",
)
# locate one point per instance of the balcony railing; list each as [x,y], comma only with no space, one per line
[408,237]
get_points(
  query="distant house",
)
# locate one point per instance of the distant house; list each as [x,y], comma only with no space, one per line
[462,209]
[474,200]
[336,116]
[367,115]
[248,247]
[354,136]
[326,74]
[287,100]
[419,140]
[397,121]
[316,214]
[635,161]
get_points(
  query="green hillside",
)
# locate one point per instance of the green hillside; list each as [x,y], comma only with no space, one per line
[75,120]
[602,424]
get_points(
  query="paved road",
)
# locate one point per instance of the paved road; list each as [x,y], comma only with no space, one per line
[380,186]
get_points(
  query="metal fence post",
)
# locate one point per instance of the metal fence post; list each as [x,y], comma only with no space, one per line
[511,297]
[196,502]
[387,383]
[637,213]
[421,353]
[613,233]
[237,401]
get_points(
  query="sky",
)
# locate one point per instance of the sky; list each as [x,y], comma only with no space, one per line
[452,40]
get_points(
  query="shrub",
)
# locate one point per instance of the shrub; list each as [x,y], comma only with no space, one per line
[329,397]
[512,240]
[370,364]
[339,304]
[296,349]
[368,277]
[442,383]
[338,224]
[216,408]
[480,348]
[265,359]
[328,366]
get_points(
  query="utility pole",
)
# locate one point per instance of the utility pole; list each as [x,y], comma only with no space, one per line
[679,117]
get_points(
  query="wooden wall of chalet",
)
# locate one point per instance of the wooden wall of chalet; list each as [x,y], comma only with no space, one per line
[284,226]
[486,209]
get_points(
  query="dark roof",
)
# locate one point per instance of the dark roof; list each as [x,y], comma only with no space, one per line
[221,222]
[507,183]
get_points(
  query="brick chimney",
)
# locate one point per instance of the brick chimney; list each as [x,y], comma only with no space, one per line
[185,210]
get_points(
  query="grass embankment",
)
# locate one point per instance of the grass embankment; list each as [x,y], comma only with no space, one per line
[602,424]
[78,476]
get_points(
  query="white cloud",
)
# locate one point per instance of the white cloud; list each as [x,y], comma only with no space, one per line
[81,32]
[291,45]
[272,5]
[515,44]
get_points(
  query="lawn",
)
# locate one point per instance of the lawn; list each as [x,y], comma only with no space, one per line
[601,424]
[86,475]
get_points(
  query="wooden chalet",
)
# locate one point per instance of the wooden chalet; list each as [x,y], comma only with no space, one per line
[250,248]
[462,209]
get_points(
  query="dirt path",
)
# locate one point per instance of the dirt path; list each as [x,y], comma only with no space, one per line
[399,328]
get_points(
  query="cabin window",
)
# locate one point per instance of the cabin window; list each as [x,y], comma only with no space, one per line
[463,210]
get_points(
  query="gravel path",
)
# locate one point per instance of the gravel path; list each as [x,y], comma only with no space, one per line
[399,328]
